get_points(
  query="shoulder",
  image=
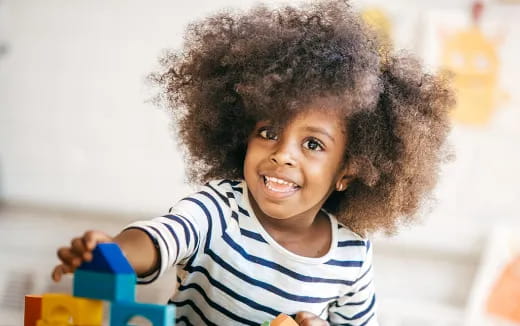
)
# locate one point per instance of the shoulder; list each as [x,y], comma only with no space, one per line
[224,189]
[223,193]
[217,198]
[225,185]
[345,233]
[215,191]
[348,240]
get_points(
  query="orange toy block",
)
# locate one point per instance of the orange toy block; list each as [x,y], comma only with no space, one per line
[504,299]
[283,320]
[63,309]
[33,309]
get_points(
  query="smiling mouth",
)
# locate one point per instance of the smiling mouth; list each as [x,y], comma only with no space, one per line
[279,185]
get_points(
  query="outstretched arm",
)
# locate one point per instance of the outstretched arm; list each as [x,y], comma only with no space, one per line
[137,246]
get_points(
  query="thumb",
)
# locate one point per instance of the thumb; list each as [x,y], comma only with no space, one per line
[92,238]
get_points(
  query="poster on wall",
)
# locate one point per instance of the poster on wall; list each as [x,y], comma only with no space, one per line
[481,57]
[479,47]
[470,49]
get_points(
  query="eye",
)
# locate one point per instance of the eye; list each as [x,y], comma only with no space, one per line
[313,145]
[267,133]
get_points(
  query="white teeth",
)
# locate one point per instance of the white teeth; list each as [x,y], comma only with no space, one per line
[278,190]
[280,181]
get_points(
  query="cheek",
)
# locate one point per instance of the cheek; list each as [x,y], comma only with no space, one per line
[321,174]
[247,164]
[255,152]
[251,160]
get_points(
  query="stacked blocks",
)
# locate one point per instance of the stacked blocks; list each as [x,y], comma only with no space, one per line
[107,277]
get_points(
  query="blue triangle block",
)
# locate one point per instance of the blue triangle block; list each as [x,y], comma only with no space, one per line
[108,258]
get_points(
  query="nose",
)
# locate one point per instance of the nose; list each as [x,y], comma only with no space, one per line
[283,155]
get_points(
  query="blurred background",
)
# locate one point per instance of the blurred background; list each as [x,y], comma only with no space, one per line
[82,147]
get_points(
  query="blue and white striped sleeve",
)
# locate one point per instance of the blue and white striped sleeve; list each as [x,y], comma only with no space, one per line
[176,236]
[358,307]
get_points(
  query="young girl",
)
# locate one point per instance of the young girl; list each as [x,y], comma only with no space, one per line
[307,138]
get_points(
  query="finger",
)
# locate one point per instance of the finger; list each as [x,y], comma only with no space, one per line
[56,274]
[302,315]
[78,247]
[68,257]
[60,270]
[305,318]
[313,322]
[92,238]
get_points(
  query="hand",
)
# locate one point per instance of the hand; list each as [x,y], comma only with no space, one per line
[80,250]
[305,318]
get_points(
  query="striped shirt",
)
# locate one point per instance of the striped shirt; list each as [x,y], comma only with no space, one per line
[231,272]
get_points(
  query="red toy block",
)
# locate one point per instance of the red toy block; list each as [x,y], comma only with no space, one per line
[33,309]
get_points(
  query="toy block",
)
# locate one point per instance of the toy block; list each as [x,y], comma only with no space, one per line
[158,315]
[44,323]
[283,320]
[64,310]
[108,258]
[33,309]
[104,286]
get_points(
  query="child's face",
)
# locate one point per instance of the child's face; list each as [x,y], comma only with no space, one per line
[292,173]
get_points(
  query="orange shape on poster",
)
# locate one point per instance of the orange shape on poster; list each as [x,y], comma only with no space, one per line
[504,300]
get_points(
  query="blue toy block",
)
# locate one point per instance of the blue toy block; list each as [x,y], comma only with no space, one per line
[108,258]
[158,315]
[104,286]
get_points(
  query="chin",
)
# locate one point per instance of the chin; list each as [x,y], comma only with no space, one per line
[275,212]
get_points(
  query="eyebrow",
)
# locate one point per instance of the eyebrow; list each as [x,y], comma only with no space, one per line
[320,131]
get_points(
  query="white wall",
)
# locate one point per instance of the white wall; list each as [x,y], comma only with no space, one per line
[76,130]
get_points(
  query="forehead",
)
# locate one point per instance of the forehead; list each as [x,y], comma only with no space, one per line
[332,120]
[324,112]
[322,123]
[325,108]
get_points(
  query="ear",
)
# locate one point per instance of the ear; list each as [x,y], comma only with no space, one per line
[345,176]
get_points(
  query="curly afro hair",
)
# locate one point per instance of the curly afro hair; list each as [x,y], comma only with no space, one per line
[238,68]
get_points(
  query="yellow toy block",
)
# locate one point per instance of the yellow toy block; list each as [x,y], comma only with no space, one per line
[65,310]
[44,323]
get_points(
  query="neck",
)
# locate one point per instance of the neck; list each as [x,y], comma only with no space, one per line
[308,234]
[298,224]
